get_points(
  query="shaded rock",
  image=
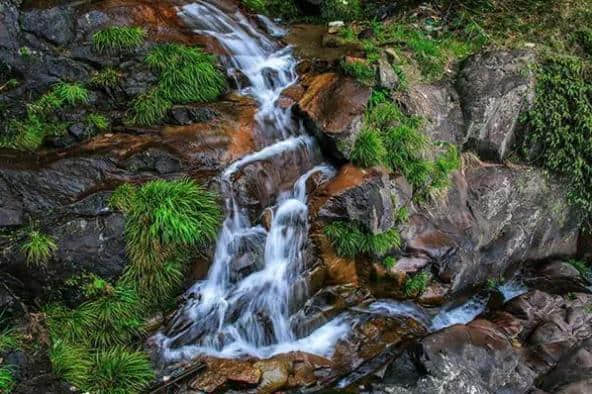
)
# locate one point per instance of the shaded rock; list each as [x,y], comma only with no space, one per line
[181,115]
[55,25]
[556,277]
[333,107]
[387,78]
[493,218]
[439,104]
[495,87]
[359,195]
[153,160]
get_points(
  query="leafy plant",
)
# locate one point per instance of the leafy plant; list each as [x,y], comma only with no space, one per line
[368,150]
[119,370]
[389,262]
[416,284]
[118,39]
[351,239]
[70,93]
[106,78]
[100,122]
[149,108]
[559,125]
[39,248]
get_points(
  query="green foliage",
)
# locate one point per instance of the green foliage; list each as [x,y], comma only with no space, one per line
[559,125]
[149,108]
[444,164]
[98,121]
[186,74]
[8,340]
[276,8]
[38,248]
[342,10]
[359,70]
[351,239]
[368,150]
[123,197]
[69,325]
[416,284]
[584,38]
[6,380]
[119,370]
[258,6]
[389,262]
[584,270]
[70,93]
[70,363]
[117,39]
[106,78]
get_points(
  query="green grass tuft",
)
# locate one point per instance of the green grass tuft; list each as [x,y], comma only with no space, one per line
[368,150]
[70,93]
[123,197]
[416,284]
[118,39]
[149,108]
[119,370]
[98,121]
[106,78]
[70,363]
[39,248]
[359,70]
[351,239]
[6,380]
[389,262]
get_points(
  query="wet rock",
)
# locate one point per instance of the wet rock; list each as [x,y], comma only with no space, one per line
[274,374]
[359,195]
[573,373]
[333,107]
[182,115]
[493,218]
[221,371]
[55,25]
[153,160]
[495,87]
[79,131]
[557,277]
[439,104]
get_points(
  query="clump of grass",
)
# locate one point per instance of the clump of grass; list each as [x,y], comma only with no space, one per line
[106,78]
[69,325]
[359,70]
[389,262]
[98,121]
[118,39]
[368,150]
[8,340]
[149,108]
[123,197]
[6,380]
[351,239]
[416,284]
[186,74]
[70,93]
[39,248]
[119,370]
[70,363]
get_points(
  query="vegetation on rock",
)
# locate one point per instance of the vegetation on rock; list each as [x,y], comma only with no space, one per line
[118,39]
[38,248]
[351,239]
[416,284]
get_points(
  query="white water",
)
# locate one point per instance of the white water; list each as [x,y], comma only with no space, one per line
[232,316]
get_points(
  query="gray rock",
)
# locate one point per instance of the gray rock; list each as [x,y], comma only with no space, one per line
[495,87]
[386,76]
[184,115]
[55,25]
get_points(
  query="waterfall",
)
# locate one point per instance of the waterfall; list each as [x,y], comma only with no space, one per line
[234,313]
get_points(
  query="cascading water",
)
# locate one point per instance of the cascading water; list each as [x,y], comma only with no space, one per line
[233,313]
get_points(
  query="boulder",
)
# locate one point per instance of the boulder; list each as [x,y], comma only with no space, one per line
[439,105]
[387,78]
[495,88]
[491,219]
[557,277]
[55,25]
[333,108]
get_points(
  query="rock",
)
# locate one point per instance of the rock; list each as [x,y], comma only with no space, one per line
[182,115]
[492,218]
[334,26]
[55,25]
[359,195]
[79,131]
[387,78]
[557,277]
[333,108]
[439,104]
[274,376]
[153,160]
[495,87]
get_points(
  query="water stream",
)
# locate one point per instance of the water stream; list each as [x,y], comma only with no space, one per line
[232,313]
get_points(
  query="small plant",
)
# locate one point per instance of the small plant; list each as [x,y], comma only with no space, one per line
[106,78]
[70,93]
[379,244]
[39,248]
[69,325]
[149,108]
[368,150]
[6,380]
[360,70]
[584,270]
[123,197]
[350,239]
[416,284]
[70,363]
[25,52]
[118,39]
[119,370]
[389,262]
[8,340]
[98,121]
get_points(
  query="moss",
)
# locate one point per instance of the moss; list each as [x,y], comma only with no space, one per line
[118,39]
[416,284]
[39,248]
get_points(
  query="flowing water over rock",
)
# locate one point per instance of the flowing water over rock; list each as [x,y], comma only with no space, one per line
[238,311]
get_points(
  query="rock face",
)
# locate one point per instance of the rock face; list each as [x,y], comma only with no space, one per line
[493,217]
[495,87]
[333,108]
